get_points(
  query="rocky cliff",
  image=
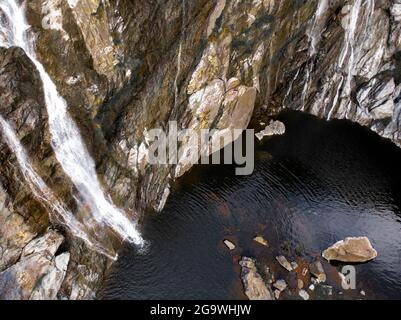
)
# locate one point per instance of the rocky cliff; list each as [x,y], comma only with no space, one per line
[125,67]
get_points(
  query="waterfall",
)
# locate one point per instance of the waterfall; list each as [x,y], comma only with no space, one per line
[314,34]
[348,49]
[67,142]
[44,193]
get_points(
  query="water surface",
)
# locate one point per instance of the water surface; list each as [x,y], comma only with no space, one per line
[317,184]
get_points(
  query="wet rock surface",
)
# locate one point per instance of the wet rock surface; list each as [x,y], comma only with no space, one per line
[254,286]
[352,250]
[40,272]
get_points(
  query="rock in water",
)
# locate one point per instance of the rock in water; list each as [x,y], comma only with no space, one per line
[280,285]
[303,294]
[284,263]
[261,241]
[292,280]
[316,269]
[255,287]
[273,129]
[300,284]
[351,250]
[229,244]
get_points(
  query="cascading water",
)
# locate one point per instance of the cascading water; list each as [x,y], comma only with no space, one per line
[67,143]
[42,191]
[314,34]
[357,16]
[348,49]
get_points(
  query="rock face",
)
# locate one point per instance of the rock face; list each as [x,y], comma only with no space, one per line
[24,216]
[40,272]
[254,286]
[351,250]
[125,67]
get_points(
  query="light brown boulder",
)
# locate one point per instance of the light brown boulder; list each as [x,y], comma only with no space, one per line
[351,250]
[255,287]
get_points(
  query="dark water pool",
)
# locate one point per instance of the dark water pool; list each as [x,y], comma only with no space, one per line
[317,184]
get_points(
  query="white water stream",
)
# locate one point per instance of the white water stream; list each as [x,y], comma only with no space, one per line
[346,60]
[67,142]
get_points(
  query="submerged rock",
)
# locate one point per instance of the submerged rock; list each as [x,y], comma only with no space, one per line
[300,284]
[353,250]
[292,280]
[255,288]
[273,129]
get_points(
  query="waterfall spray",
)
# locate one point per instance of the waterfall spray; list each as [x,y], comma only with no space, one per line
[67,142]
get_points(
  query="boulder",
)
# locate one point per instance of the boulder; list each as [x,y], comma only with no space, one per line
[284,263]
[354,250]
[255,287]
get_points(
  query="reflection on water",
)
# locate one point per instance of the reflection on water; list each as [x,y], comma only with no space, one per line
[319,183]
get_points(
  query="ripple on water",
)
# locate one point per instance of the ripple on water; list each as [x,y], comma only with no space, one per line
[317,184]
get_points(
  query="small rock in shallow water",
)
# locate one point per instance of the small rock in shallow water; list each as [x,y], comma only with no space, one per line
[312,287]
[280,285]
[284,263]
[316,269]
[363,293]
[229,244]
[294,265]
[303,294]
[351,250]
[277,294]
[261,241]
